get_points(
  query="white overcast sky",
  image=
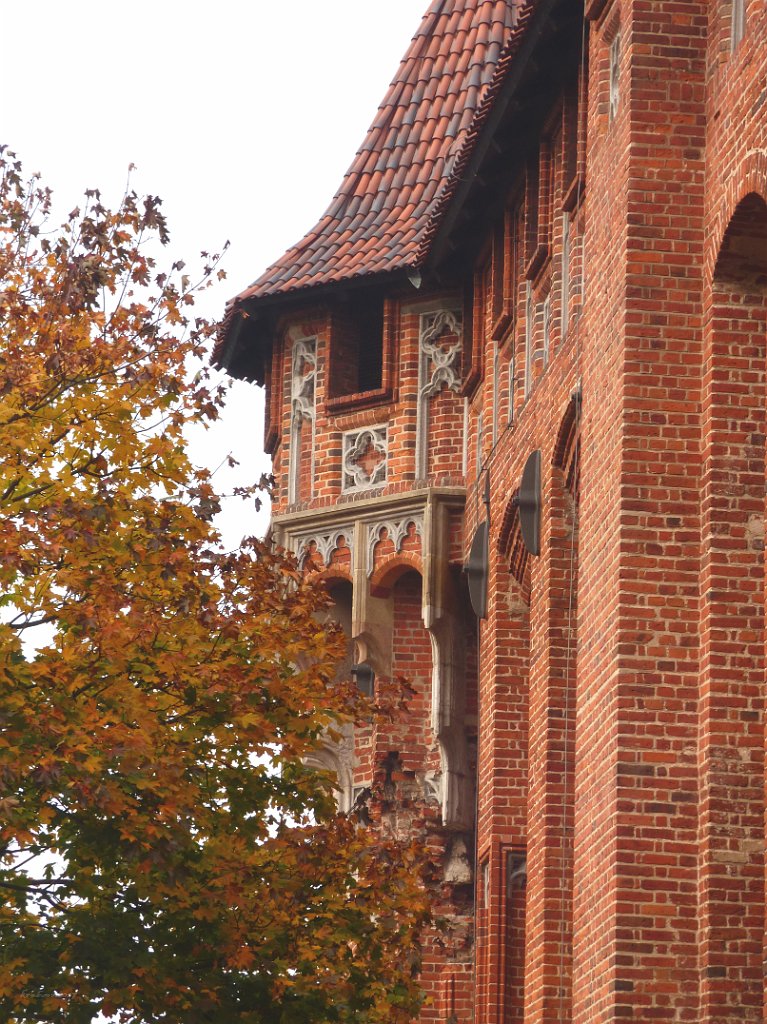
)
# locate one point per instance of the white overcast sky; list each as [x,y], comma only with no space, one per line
[242,117]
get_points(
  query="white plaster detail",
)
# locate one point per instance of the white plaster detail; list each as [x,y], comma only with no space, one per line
[480,441]
[438,367]
[303,405]
[356,443]
[615,70]
[432,787]
[565,296]
[442,364]
[546,330]
[457,866]
[465,450]
[528,339]
[496,387]
[448,706]
[303,378]
[359,802]
[737,23]
[516,870]
[397,530]
[512,385]
[326,543]
[755,533]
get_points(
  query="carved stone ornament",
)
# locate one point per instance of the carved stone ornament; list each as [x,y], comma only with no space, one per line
[303,378]
[432,787]
[365,458]
[326,544]
[438,367]
[397,530]
[457,869]
[441,363]
[337,757]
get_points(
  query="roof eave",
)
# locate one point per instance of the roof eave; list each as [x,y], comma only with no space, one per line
[258,312]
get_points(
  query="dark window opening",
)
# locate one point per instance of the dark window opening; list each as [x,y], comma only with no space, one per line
[357,347]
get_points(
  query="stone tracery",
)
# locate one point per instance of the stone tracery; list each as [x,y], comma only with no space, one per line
[325,544]
[365,458]
[441,362]
[396,530]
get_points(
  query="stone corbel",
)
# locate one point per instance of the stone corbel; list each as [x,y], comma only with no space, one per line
[372,617]
[448,702]
[441,616]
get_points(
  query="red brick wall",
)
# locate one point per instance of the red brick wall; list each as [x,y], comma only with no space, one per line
[503,770]
[396,408]
[445,447]
[646,786]
[404,751]
[736,154]
[620,675]
[411,649]
[731,742]
[551,752]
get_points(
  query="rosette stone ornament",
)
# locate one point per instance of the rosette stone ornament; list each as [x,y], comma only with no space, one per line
[365,457]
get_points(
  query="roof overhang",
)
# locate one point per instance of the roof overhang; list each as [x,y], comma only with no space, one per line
[515,103]
[247,330]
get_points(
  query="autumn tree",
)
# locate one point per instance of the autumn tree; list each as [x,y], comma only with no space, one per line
[164,853]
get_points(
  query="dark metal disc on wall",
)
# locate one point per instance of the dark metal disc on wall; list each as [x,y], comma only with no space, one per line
[477,571]
[528,502]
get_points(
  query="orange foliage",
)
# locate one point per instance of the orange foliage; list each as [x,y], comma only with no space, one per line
[151,752]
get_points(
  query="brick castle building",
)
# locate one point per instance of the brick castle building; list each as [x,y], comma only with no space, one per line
[528,338]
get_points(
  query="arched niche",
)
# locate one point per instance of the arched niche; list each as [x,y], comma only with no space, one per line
[512,550]
[731,738]
[338,756]
[339,589]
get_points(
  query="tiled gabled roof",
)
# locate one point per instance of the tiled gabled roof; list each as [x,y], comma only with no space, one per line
[460,164]
[378,219]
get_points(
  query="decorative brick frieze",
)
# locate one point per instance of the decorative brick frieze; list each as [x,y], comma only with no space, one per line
[396,531]
[324,544]
[441,362]
[303,379]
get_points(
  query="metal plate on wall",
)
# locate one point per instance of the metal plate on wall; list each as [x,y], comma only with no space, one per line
[477,570]
[528,503]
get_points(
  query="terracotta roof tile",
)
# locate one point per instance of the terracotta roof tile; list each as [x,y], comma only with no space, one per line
[402,164]
[478,119]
